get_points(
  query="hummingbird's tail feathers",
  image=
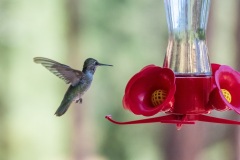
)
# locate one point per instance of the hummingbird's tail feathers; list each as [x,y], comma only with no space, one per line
[63,108]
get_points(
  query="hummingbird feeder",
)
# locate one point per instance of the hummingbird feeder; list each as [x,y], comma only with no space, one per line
[187,87]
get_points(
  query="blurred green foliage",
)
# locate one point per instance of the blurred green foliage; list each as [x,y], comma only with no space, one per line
[129,35]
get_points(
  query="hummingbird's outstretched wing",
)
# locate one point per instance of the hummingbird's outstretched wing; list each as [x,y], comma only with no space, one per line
[64,72]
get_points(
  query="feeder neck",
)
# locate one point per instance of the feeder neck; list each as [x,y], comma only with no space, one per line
[187,52]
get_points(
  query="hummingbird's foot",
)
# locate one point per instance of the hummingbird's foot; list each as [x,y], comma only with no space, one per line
[79,100]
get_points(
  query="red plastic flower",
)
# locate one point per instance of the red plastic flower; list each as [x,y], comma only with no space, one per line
[150,91]
[226,89]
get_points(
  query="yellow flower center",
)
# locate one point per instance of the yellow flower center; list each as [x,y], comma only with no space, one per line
[158,97]
[227,95]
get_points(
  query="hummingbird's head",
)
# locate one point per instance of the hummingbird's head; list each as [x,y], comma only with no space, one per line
[91,64]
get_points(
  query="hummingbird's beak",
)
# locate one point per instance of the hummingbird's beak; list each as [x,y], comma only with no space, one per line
[101,64]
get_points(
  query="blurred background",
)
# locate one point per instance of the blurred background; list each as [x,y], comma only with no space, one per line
[128,34]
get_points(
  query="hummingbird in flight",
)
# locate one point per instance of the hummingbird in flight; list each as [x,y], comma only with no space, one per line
[79,81]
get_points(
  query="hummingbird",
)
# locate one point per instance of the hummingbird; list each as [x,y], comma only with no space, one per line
[79,81]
